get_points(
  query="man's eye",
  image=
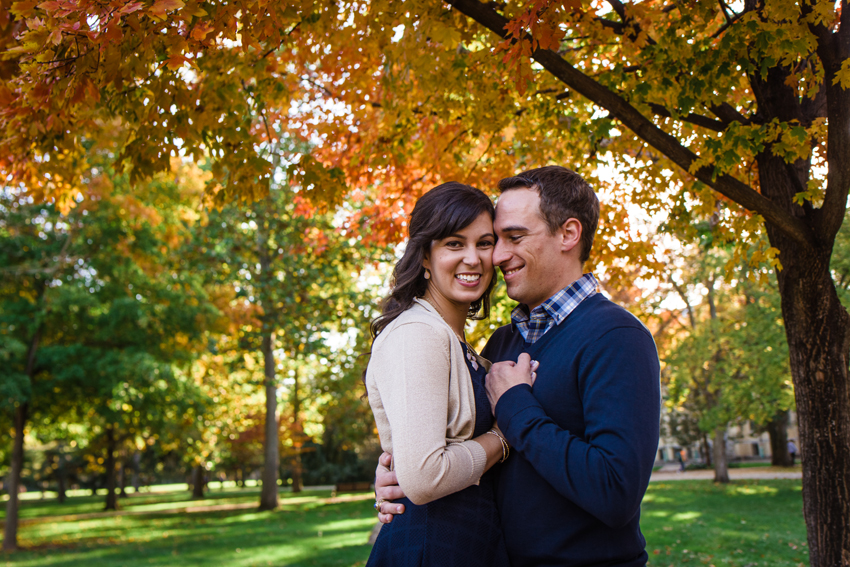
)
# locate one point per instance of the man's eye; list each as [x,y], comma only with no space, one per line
[515,238]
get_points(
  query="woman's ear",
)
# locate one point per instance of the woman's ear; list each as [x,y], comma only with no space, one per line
[570,233]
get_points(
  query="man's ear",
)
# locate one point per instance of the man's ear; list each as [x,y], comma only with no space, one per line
[570,233]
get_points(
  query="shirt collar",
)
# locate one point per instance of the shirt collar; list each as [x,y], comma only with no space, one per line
[560,305]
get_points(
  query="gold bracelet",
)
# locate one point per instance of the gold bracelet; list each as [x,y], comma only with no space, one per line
[506,449]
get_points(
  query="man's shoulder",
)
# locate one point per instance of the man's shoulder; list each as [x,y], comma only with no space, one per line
[602,314]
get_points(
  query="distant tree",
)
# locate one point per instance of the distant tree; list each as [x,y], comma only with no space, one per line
[295,270]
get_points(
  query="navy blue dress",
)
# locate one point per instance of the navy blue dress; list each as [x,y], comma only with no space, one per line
[458,530]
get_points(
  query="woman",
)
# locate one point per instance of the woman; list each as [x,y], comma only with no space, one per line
[426,388]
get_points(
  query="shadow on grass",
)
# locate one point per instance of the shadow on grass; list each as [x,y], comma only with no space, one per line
[318,531]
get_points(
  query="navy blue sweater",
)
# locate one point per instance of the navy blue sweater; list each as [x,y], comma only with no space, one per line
[584,439]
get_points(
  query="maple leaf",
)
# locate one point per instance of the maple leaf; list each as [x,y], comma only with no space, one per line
[160,7]
[842,77]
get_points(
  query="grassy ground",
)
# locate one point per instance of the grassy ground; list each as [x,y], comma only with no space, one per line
[746,524]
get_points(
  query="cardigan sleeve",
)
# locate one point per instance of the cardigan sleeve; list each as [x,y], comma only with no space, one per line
[412,371]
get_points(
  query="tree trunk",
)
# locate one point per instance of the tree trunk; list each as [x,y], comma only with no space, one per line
[137,460]
[298,437]
[60,475]
[10,530]
[777,429]
[816,326]
[817,329]
[122,491]
[10,533]
[271,464]
[705,450]
[111,496]
[721,468]
[198,477]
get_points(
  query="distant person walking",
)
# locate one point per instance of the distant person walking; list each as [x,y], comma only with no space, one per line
[681,458]
[792,450]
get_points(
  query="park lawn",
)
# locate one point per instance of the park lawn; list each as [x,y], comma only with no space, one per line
[309,528]
[746,523]
[686,523]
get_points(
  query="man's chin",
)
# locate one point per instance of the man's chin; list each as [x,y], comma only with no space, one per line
[514,291]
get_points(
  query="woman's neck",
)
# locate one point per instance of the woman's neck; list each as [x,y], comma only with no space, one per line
[452,313]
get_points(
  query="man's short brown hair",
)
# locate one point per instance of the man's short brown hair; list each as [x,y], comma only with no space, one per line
[564,195]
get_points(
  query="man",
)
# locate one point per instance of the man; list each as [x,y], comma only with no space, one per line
[584,437]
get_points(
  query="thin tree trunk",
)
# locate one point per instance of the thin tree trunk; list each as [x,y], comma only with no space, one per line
[705,449]
[298,434]
[777,429]
[10,533]
[721,468]
[111,496]
[122,484]
[269,495]
[198,478]
[10,530]
[137,460]
[60,475]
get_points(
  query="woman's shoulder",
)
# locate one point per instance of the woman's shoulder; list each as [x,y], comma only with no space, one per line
[417,322]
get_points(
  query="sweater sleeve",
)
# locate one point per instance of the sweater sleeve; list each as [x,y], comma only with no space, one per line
[606,471]
[413,374]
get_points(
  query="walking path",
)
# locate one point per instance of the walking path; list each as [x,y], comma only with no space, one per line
[671,472]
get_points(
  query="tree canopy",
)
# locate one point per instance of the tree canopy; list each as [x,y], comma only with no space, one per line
[739,112]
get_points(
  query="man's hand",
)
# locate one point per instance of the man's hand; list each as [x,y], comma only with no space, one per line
[505,375]
[387,488]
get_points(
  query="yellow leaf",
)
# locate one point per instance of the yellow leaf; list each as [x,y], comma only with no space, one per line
[842,77]
[160,7]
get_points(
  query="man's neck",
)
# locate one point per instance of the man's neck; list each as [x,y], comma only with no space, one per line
[566,281]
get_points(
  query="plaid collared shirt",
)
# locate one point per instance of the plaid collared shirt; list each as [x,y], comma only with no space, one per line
[551,312]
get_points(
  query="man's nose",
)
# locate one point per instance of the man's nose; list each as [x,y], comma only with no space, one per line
[500,253]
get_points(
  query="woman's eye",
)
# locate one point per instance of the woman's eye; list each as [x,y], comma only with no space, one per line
[454,244]
[486,244]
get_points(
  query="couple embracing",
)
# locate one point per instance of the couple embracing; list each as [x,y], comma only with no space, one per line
[538,451]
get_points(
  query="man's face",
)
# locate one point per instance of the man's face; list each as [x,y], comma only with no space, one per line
[527,253]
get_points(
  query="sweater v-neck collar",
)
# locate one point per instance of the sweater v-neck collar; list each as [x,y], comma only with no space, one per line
[557,329]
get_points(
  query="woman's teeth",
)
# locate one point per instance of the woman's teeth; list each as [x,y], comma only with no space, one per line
[468,278]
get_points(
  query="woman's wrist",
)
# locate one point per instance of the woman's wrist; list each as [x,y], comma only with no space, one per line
[506,448]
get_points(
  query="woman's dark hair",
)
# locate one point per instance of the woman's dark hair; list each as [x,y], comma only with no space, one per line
[442,211]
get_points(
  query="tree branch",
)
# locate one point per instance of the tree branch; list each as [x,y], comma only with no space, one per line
[644,129]
[697,119]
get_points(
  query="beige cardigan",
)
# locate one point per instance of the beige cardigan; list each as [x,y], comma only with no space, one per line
[421,395]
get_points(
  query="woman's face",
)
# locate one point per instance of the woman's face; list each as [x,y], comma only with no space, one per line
[461,264]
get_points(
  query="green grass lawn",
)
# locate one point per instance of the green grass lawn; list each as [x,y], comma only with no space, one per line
[745,524]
